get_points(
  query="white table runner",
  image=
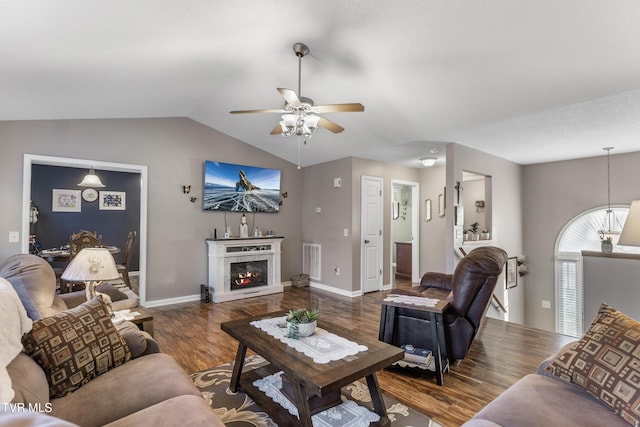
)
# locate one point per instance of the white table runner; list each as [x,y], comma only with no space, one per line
[322,346]
[348,413]
[408,299]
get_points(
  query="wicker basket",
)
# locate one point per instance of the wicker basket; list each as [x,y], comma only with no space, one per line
[300,280]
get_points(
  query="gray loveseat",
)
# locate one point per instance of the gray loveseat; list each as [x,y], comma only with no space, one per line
[150,389]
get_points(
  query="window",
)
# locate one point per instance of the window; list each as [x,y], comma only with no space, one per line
[581,233]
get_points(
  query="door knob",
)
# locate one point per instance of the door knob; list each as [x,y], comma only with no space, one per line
[366,241]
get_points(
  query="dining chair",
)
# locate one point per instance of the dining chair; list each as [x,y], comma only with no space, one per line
[83,239]
[123,268]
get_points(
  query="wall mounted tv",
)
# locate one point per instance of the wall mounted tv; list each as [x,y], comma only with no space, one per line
[238,188]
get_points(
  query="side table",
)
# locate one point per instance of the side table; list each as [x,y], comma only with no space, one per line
[144,320]
[388,316]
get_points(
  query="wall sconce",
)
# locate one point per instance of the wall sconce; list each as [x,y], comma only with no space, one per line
[523,269]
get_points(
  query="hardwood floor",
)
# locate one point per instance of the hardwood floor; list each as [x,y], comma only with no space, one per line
[500,355]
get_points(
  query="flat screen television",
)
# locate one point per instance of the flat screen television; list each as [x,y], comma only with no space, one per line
[239,188]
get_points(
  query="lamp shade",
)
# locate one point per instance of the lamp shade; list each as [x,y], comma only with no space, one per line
[630,235]
[91,180]
[91,265]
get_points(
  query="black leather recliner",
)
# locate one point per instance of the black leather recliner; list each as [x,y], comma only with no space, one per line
[469,290]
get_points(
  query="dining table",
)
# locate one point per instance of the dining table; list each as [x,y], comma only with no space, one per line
[62,254]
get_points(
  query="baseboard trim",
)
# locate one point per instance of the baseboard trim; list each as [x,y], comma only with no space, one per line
[186,298]
[316,285]
[169,301]
[344,293]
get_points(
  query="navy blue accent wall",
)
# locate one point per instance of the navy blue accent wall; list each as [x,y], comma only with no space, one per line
[54,228]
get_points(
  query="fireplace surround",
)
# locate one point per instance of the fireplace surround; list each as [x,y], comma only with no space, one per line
[251,264]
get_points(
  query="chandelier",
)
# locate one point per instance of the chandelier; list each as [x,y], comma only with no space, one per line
[611,225]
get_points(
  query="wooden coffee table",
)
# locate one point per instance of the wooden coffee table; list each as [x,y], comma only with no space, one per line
[309,382]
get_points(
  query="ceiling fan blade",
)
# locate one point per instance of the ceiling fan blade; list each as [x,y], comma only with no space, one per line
[328,124]
[338,108]
[256,111]
[290,96]
[277,130]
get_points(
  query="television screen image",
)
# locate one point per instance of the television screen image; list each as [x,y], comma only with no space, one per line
[238,188]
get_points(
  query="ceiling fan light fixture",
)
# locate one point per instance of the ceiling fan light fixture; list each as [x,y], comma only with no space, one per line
[310,124]
[428,161]
[288,124]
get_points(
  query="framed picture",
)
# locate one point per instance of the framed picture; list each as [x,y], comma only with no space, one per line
[511,276]
[65,200]
[112,200]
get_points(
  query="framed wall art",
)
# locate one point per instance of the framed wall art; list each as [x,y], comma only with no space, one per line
[112,200]
[65,200]
[511,275]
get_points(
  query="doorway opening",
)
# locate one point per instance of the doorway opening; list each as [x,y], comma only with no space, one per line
[32,159]
[404,250]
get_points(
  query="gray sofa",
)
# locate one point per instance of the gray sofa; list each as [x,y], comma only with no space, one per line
[594,381]
[541,400]
[150,389]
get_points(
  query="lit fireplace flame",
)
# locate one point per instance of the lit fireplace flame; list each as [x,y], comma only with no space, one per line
[246,278]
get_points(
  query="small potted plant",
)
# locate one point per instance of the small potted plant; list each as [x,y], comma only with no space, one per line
[473,229]
[465,234]
[606,245]
[485,234]
[302,322]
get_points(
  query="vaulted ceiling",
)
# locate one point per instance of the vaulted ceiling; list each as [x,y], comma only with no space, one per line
[527,80]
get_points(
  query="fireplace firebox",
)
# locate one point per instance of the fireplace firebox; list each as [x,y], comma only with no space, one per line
[248,274]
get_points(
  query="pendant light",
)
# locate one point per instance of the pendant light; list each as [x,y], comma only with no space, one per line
[610,226]
[91,180]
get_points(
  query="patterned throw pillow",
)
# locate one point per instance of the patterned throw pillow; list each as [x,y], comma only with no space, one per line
[75,346]
[606,363]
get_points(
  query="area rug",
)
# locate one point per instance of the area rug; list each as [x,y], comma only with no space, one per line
[238,410]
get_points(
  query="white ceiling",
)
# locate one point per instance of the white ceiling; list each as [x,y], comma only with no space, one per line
[528,80]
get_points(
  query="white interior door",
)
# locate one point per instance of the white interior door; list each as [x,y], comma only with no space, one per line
[371,233]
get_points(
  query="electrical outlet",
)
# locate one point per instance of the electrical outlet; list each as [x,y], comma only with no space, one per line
[336,270]
[346,232]
[546,304]
[14,236]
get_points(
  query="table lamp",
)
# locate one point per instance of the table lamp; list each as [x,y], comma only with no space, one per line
[92,266]
[630,235]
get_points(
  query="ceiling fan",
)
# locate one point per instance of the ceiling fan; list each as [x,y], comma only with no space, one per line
[299,114]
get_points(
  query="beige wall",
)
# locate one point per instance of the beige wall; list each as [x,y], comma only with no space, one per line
[432,233]
[174,149]
[326,228]
[553,194]
[506,228]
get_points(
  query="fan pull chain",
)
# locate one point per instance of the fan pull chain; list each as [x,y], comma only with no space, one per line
[299,167]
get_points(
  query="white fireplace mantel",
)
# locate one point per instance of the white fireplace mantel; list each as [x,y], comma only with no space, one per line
[222,252]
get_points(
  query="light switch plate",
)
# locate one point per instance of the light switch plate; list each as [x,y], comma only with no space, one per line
[14,236]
